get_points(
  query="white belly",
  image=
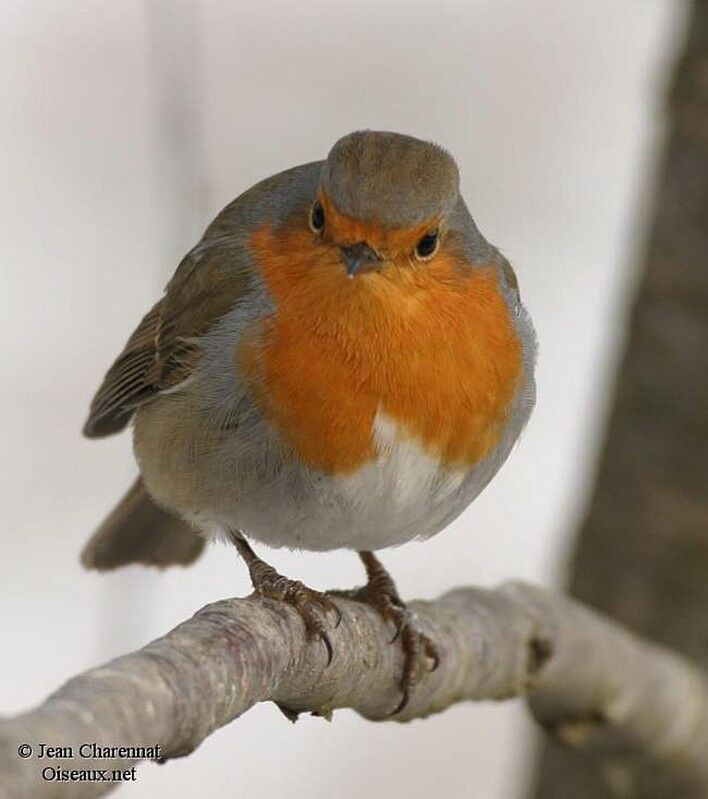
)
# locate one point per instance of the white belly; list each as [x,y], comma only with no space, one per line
[251,480]
[404,494]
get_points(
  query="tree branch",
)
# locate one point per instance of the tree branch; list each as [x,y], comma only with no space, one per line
[589,681]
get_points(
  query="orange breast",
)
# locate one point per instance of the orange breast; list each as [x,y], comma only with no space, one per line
[431,345]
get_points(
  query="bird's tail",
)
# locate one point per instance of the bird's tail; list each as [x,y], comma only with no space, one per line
[139,531]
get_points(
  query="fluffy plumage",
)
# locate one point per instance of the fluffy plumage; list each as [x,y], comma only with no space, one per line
[274,393]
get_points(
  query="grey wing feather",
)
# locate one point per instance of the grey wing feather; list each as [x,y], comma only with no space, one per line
[126,384]
[162,352]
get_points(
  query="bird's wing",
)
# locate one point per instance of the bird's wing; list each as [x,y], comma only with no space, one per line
[162,352]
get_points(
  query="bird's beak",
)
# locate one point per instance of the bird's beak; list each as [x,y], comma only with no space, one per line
[360,258]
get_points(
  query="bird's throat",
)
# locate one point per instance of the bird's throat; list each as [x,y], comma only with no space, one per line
[434,349]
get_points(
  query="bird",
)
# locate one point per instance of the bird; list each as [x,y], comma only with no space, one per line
[343,361]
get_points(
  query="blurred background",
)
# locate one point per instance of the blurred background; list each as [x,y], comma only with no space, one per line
[126,127]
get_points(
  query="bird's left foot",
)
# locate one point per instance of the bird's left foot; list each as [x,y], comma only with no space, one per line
[381,593]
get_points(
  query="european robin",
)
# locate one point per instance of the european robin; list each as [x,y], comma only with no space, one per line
[343,361]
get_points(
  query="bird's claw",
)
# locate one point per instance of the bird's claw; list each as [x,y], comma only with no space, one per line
[415,644]
[312,606]
[384,598]
[267,582]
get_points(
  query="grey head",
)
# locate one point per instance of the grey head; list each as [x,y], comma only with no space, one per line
[389,180]
[396,180]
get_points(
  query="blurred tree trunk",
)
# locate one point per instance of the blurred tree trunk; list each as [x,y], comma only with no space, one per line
[642,553]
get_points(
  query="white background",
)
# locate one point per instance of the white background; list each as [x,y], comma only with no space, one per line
[125,127]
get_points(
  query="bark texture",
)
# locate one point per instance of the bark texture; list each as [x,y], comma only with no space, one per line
[591,682]
[642,553]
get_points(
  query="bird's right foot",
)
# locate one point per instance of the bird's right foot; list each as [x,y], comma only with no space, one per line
[314,607]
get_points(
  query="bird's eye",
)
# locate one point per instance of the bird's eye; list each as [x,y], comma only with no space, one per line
[427,246]
[317,217]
